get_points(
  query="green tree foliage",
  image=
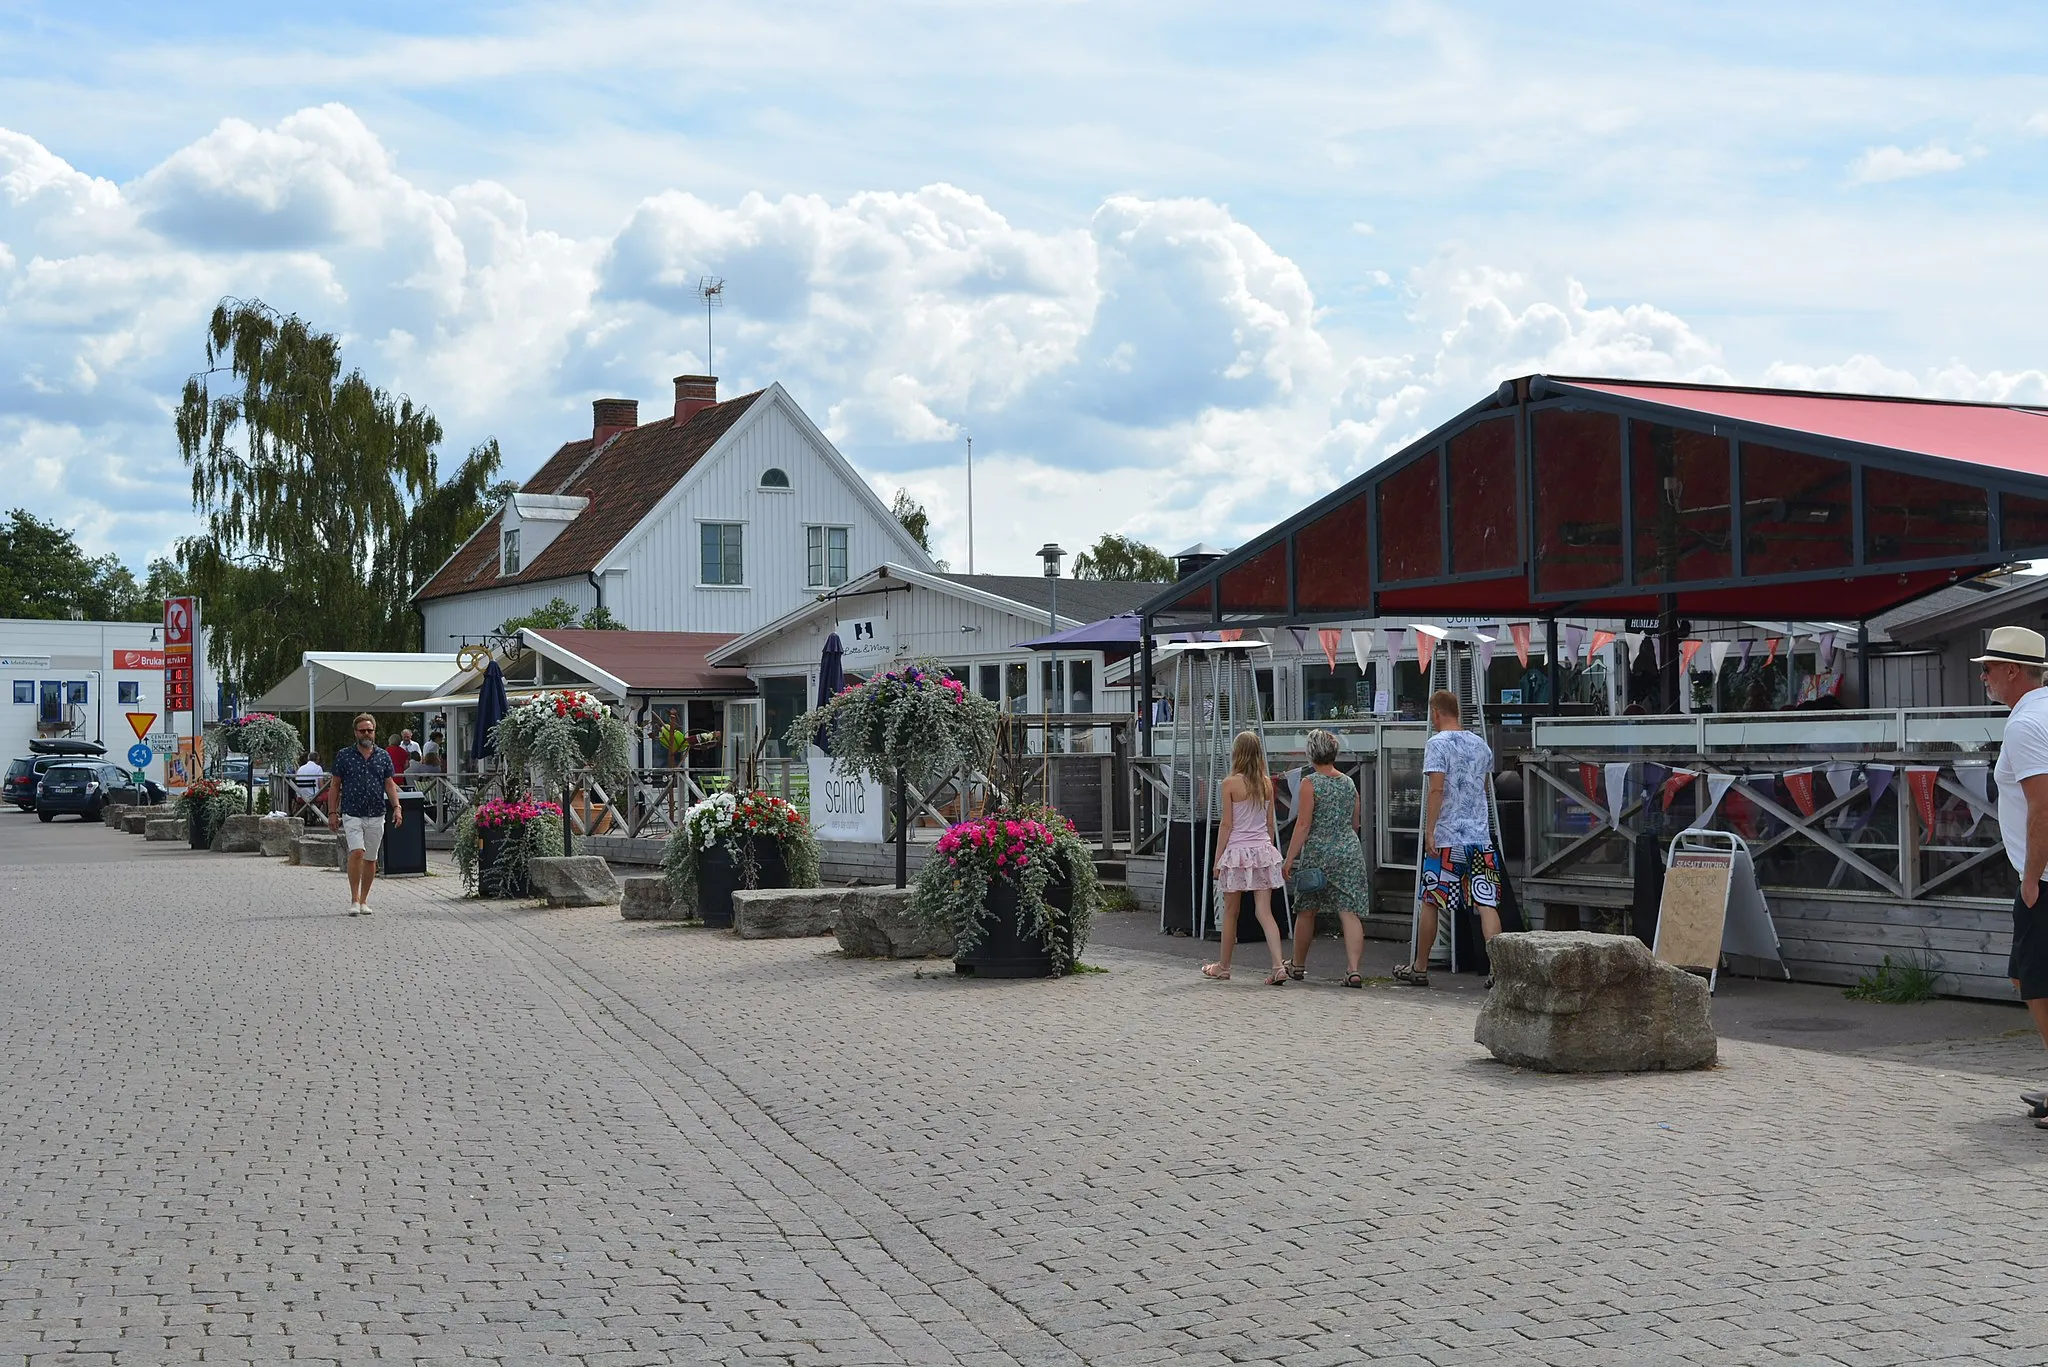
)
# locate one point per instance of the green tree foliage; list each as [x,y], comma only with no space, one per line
[43,573]
[1121,557]
[558,613]
[322,497]
[914,518]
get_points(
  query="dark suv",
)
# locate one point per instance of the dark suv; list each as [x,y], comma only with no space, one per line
[84,787]
[19,787]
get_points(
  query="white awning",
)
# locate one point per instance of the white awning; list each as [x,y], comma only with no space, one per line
[357,681]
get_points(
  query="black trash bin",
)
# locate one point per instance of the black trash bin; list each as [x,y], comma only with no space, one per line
[405,847]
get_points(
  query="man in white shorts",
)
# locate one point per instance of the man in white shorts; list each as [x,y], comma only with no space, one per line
[365,787]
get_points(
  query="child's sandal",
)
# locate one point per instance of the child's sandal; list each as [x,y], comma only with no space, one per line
[1216,973]
[1277,978]
[1353,980]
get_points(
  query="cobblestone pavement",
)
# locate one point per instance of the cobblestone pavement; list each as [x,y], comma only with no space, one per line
[242,1127]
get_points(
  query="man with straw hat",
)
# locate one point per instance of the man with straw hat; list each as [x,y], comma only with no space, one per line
[2015,662]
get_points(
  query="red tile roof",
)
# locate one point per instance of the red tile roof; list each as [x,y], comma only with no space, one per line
[654,661]
[625,478]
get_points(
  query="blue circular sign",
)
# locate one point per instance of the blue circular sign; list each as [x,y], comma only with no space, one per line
[140,755]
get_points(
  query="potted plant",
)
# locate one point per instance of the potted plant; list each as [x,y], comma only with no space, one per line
[1016,890]
[207,803]
[497,841]
[555,736]
[908,725]
[271,743]
[733,841]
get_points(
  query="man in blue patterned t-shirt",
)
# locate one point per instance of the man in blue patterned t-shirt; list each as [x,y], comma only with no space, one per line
[364,788]
[1459,867]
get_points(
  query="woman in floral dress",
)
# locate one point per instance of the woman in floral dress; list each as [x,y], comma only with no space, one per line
[1326,841]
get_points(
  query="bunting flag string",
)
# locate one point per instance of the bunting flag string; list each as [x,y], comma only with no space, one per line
[1617,791]
[1361,649]
[1601,640]
[1826,644]
[1393,652]
[1717,788]
[1748,644]
[1717,655]
[1300,637]
[1574,637]
[1589,780]
[1675,785]
[1486,644]
[1520,632]
[1799,782]
[1976,779]
[1770,650]
[1686,650]
[1230,634]
[1920,778]
[1425,650]
[1657,647]
[1841,778]
[1331,639]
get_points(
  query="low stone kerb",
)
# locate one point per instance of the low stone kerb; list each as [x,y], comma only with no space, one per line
[645,897]
[785,913]
[875,923]
[575,880]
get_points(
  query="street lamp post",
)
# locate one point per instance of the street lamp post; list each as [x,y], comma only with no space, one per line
[1051,554]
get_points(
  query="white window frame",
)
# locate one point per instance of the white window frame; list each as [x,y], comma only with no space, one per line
[823,579]
[788,486]
[740,523]
[508,551]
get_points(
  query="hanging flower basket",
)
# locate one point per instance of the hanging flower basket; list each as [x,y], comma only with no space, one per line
[912,720]
[1016,891]
[497,841]
[732,841]
[555,736]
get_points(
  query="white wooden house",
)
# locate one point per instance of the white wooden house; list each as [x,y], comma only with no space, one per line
[719,517]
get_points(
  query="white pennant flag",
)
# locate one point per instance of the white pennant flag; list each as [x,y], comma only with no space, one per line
[1485,655]
[1841,778]
[1717,788]
[1361,649]
[1617,791]
[1977,779]
[1717,653]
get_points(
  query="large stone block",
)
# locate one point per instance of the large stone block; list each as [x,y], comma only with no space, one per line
[1575,1002]
[167,828]
[575,880]
[274,835]
[314,849]
[137,822]
[876,923]
[239,833]
[113,814]
[785,913]
[644,897]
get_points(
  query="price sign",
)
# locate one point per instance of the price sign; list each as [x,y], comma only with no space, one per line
[181,627]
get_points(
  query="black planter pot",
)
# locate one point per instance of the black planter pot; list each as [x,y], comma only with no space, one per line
[718,878]
[196,831]
[493,881]
[1005,950]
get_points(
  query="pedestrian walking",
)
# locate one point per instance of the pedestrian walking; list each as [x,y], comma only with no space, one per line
[1459,867]
[364,788]
[1247,855]
[1325,864]
[2015,662]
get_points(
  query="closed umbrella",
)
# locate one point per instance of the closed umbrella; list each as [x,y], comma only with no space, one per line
[831,679]
[490,710]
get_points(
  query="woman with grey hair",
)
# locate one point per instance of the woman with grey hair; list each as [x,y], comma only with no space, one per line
[1331,876]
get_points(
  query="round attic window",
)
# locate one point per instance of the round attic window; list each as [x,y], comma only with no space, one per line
[772,478]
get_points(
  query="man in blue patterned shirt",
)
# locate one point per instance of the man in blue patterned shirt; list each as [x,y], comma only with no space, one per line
[364,788]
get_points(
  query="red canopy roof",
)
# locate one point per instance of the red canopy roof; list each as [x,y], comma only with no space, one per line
[1619,497]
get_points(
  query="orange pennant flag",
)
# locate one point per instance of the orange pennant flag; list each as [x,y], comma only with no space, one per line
[1331,639]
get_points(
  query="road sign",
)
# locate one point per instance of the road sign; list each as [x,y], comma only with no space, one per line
[140,755]
[142,721]
[162,742]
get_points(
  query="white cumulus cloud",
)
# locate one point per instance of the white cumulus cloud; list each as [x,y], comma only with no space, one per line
[1876,165]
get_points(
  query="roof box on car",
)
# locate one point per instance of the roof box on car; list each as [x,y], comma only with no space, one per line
[66,747]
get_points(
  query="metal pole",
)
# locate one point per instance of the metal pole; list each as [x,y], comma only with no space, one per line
[1863,664]
[1550,660]
[970,505]
[902,830]
[1667,669]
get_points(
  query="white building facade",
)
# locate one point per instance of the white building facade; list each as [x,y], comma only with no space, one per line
[78,681]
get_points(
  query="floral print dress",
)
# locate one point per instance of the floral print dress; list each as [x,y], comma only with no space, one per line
[1333,847]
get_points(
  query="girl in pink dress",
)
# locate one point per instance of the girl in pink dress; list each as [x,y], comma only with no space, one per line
[1247,856]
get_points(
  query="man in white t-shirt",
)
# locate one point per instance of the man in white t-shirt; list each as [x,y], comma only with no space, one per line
[2015,662]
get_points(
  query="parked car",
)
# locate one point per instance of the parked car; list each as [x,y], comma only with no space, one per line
[19,787]
[84,787]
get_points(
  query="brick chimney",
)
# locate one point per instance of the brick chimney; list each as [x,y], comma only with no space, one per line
[694,394]
[609,417]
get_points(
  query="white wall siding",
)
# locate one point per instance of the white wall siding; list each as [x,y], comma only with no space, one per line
[82,652]
[659,590]
[474,614]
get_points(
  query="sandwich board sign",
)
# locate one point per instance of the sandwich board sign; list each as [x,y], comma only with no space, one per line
[1712,906]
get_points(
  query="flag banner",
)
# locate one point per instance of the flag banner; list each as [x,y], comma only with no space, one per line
[1393,647]
[1976,780]
[1617,791]
[1799,783]
[1300,637]
[1717,654]
[1361,648]
[1675,785]
[1520,632]
[1485,657]
[1841,778]
[1574,637]
[1826,644]
[1657,648]
[1331,639]
[1425,650]
[1269,635]
[1717,788]
[1770,650]
[1589,779]
[1653,777]
[1747,646]
[1635,645]
[1879,777]
[1920,778]
[1686,651]
[1230,634]
[1601,640]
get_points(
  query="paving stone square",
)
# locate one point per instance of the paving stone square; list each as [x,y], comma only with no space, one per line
[241,1126]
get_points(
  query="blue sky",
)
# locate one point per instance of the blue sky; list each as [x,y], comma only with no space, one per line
[1177,267]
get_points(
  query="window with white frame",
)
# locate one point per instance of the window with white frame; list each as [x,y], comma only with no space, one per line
[827,553]
[774,478]
[508,554]
[720,562]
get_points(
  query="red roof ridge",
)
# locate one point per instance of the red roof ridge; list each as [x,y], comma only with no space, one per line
[2040,410]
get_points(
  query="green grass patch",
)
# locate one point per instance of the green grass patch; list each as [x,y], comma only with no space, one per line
[1912,979]
[1080,967]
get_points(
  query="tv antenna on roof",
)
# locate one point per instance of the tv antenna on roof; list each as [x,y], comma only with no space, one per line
[711,289]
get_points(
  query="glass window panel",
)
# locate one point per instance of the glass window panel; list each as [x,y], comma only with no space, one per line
[1482,495]
[1017,686]
[1331,559]
[512,551]
[1795,512]
[1331,695]
[814,546]
[50,703]
[835,556]
[1683,530]
[76,692]
[25,691]
[1576,466]
[991,684]
[1909,517]
[1411,522]
[786,698]
[1259,584]
[720,545]
[2026,522]
[129,691]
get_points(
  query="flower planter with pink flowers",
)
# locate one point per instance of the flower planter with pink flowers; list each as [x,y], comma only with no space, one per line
[1016,890]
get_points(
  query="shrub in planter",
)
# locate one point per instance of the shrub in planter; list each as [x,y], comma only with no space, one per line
[1016,891]
[208,803]
[555,736]
[497,841]
[731,841]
